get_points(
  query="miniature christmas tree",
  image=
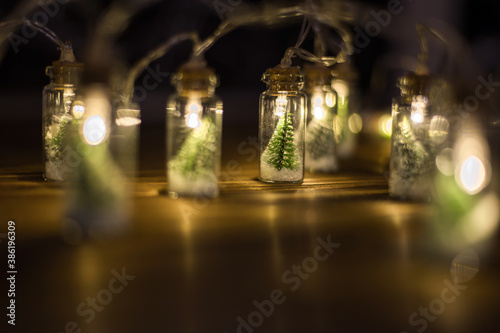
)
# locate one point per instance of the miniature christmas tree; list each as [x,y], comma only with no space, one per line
[320,139]
[196,158]
[280,153]
[58,142]
[411,152]
[55,147]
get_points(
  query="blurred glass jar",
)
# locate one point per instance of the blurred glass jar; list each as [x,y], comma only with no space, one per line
[98,194]
[194,133]
[282,126]
[320,153]
[420,129]
[58,97]
[347,123]
[124,140]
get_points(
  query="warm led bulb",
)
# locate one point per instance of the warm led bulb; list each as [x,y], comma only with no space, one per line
[417,117]
[94,130]
[192,120]
[317,103]
[318,112]
[419,109]
[78,110]
[193,113]
[281,104]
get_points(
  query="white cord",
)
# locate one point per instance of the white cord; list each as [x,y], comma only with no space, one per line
[48,33]
[308,56]
[271,15]
[153,55]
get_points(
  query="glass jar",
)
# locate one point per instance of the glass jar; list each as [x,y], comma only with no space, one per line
[420,129]
[194,133]
[124,140]
[320,153]
[58,97]
[98,194]
[282,126]
[347,123]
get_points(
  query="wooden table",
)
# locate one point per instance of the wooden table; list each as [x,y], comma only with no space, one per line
[254,256]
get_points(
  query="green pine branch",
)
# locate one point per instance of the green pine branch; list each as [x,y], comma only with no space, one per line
[280,152]
[411,152]
[196,157]
[320,137]
[58,142]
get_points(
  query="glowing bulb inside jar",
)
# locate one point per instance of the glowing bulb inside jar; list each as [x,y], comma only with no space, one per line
[317,105]
[78,110]
[318,112]
[281,104]
[193,120]
[193,111]
[419,109]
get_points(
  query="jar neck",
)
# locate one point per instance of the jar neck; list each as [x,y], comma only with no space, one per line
[191,91]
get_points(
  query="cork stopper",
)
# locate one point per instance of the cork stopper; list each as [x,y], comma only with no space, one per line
[281,78]
[412,84]
[317,75]
[345,71]
[65,72]
[195,76]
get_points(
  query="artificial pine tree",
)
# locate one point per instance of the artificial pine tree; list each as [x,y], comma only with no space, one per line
[411,153]
[196,158]
[56,144]
[280,152]
[320,139]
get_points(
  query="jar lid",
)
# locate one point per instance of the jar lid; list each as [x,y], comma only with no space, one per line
[282,78]
[64,72]
[345,71]
[414,84]
[195,76]
[317,75]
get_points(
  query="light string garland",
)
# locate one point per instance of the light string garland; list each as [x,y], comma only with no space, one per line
[316,17]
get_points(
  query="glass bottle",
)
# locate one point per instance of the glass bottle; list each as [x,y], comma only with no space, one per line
[58,97]
[420,129]
[124,139]
[320,153]
[194,133]
[282,126]
[347,123]
[98,194]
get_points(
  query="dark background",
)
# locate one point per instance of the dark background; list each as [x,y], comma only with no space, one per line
[241,57]
[198,274]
